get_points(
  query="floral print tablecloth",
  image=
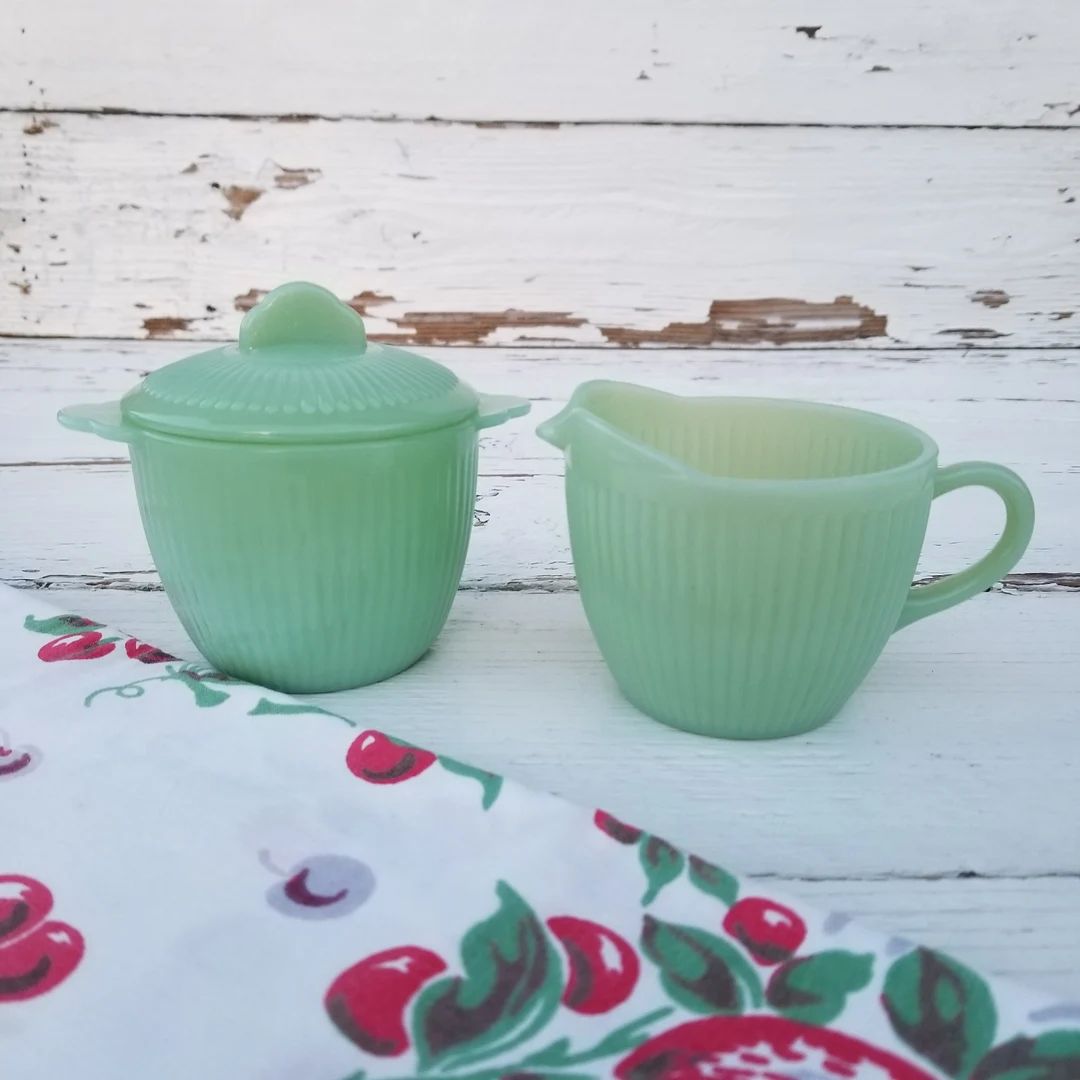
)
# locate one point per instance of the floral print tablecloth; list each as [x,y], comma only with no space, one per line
[203,879]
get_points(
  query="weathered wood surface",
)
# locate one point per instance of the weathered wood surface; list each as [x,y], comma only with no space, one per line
[824,61]
[1021,411]
[597,236]
[940,805]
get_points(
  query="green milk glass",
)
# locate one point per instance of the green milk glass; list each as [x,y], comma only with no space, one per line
[307,496]
[743,561]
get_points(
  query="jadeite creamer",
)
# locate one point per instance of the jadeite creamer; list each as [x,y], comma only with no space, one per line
[307,496]
[743,561]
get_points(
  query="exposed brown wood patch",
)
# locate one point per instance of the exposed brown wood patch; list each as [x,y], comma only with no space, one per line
[23,286]
[135,580]
[991,298]
[246,301]
[363,300]
[469,327]
[239,199]
[39,126]
[295,178]
[441,327]
[771,320]
[981,332]
[360,303]
[1041,581]
[164,325]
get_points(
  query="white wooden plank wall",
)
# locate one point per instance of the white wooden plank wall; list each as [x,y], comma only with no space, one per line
[703,61]
[984,403]
[149,187]
[607,235]
[860,202]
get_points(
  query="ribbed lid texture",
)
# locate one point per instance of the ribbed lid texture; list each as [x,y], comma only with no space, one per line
[301,372]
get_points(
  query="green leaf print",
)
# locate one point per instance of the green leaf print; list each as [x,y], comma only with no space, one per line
[713,880]
[814,989]
[1054,1055]
[266,707]
[59,625]
[560,1055]
[662,863]
[205,696]
[700,971]
[941,1009]
[489,781]
[195,679]
[510,990]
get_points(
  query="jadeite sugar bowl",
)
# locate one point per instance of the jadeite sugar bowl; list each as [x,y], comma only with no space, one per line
[307,496]
[743,561]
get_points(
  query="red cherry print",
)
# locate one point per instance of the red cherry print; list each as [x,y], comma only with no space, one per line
[87,645]
[741,1047]
[146,654]
[616,829]
[367,1002]
[24,903]
[379,760]
[771,932]
[603,967]
[39,960]
[35,955]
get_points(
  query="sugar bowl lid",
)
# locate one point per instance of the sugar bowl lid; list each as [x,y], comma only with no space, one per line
[302,371]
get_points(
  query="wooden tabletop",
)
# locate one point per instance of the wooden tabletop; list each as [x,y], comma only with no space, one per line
[863,207]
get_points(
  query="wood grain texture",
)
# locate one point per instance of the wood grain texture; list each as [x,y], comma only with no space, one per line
[826,61]
[595,236]
[1019,409]
[1026,929]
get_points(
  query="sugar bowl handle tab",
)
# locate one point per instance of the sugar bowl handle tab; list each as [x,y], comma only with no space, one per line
[104,419]
[302,314]
[495,409]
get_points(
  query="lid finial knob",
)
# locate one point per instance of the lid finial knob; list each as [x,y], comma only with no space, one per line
[302,314]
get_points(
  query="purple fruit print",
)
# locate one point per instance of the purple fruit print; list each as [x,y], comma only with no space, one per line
[16,760]
[320,886]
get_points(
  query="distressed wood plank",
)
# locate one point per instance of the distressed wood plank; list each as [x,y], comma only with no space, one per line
[828,61]
[994,404]
[1026,929]
[933,388]
[81,522]
[633,236]
[933,763]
